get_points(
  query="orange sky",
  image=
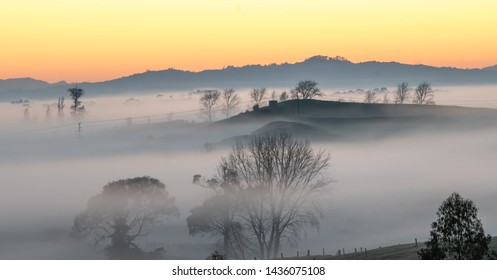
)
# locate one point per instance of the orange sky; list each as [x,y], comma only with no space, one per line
[94,40]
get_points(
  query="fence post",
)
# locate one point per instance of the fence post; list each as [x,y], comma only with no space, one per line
[323,252]
[281,255]
[416,240]
[308,252]
[297,254]
[355,250]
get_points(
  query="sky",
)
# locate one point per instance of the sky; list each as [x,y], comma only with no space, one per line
[94,40]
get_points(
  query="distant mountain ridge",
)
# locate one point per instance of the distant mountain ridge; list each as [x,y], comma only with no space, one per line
[21,84]
[329,72]
[491,68]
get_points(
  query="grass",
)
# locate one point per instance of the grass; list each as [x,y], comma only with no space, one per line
[396,252]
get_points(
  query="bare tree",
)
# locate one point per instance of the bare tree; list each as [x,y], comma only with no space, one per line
[230,101]
[60,107]
[122,213]
[283,96]
[276,180]
[423,94]
[370,96]
[209,100]
[402,93]
[307,89]
[273,95]
[76,93]
[257,95]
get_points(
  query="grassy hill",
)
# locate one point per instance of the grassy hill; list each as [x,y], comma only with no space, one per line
[331,120]
[343,110]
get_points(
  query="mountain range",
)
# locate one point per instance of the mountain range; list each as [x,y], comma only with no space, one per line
[329,72]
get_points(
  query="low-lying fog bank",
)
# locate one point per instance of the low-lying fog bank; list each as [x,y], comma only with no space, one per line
[386,190]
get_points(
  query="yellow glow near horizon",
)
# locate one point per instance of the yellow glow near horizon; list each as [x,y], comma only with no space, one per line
[90,40]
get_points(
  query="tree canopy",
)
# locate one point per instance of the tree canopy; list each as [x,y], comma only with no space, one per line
[423,94]
[307,89]
[76,93]
[123,213]
[208,101]
[267,192]
[457,234]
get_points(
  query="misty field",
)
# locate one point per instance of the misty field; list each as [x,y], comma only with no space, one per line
[389,174]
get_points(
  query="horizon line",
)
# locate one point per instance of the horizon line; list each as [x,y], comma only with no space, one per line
[336,58]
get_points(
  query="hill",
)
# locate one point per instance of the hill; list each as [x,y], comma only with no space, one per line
[332,111]
[296,129]
[328,72]
[22,84]
[334,121]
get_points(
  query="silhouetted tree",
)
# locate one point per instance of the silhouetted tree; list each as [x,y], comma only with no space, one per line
[370,96]
[276,180]
[307,89]
[457,234]
[283,96]
[423,94]
[402,93]
[217,215]
[257,95]
[208,101]
[230,101]
[76,93]
[124,212]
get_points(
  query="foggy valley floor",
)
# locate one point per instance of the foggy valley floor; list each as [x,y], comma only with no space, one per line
[391,171]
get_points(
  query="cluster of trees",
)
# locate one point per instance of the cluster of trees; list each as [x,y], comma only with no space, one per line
[423,94]
[265,195]
[307,89]
[229,101]
[77,108]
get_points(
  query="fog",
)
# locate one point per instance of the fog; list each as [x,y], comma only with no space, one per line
[467,96]
[385,191]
